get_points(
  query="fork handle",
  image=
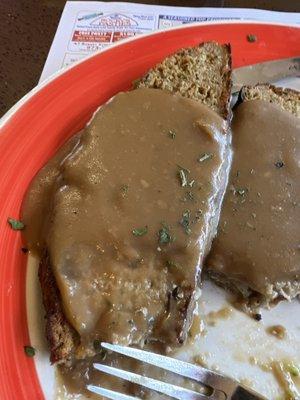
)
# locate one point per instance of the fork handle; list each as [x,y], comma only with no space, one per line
[246,394]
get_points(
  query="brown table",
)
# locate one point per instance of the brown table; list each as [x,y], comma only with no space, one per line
[28,26]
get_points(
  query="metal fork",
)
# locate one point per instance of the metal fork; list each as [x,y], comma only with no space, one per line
[223,388]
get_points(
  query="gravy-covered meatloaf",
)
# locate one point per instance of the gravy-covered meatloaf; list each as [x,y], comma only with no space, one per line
[257,248]
[124,215]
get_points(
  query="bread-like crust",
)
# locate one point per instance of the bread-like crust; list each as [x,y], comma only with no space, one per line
[201,73]
[61,336]
[287,99]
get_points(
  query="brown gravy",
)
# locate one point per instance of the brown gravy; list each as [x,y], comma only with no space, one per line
[127,211]
[258,238]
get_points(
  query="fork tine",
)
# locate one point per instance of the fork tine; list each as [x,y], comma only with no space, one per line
[110,394]
[174,391]
[182,368]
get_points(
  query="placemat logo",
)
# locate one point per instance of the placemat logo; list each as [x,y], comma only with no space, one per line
[114,21]
[93,31]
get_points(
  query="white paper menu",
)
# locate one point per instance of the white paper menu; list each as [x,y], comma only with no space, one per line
[89,26]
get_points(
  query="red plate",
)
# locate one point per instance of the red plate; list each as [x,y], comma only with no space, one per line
[41,122]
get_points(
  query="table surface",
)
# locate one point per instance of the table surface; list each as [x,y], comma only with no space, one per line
[28,26]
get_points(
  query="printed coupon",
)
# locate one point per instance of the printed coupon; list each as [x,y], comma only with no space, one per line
[93,31]
[89,26]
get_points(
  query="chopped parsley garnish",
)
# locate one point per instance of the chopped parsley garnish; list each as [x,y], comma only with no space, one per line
[205,156]
[293,370]
[183,177]
[164,235]
[189,195]
[279,164]
[183,174]
[140,231]
[199,214]
[172,134]
[15,224]
[186,221]
[241,192]
[29,351]
[251,38]
[124,190]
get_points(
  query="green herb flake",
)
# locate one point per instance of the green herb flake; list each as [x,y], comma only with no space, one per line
[164,235]
[205,156]
[124,190]
[251,38]
[15,224]
[293,370]
[183,177]
[279,164]
[189,195]
[186,221]
[289,395]
[29,351]
[241,192]
[140,231]
[199,214]
[172,134]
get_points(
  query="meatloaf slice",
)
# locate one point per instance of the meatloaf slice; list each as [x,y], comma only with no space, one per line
[202,73]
